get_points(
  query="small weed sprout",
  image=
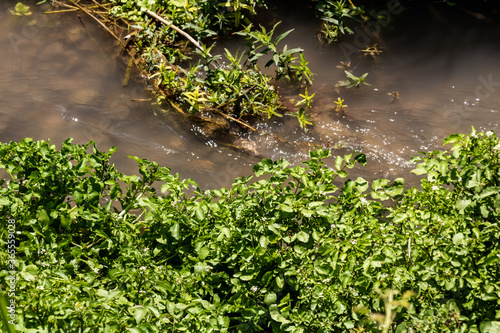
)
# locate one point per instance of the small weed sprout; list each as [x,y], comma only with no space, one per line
[307,99]
[353,81]
[339,105]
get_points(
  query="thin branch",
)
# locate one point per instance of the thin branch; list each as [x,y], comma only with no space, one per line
[169,24]
[61,11]
[98,21]
[236,120]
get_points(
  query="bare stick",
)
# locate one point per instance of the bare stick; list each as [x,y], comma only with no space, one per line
[61,11]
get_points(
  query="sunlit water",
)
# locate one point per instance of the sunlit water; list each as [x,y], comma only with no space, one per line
[62,77]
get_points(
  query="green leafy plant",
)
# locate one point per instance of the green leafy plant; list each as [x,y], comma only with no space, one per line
[294,249]
[306,99]
[335,15]
[21,10]
[353,81]
[260,43]
[302,117]
[339,104]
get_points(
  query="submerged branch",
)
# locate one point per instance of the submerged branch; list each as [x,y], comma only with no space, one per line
[236,120]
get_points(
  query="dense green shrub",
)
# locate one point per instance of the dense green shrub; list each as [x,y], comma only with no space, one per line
[290,252]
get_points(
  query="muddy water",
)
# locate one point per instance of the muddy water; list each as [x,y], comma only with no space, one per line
[443,64]
[62,78]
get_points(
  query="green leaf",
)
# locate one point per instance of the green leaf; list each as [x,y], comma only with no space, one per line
[267,277]
[379,183]
[203,253]
[200,213]
[488,192]
[139,314]
[338,162]
[490,327]
[339,307]
[491,259]
[29,272]
[102,292]
[42,216]
[270,298]
[175,231]
[65,220]
[462,204]
[276,315]
[280,282]
[345,279]
[303,237]
[263,241]
[458,239]
[323,269]
[21,10]
[452,138]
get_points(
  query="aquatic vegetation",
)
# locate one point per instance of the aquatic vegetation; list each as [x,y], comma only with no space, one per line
[353,81]
[306,99]
[239,89]
[288,249]
[334,15]
[339,104]
[20,10]
[302,117]
[173,41]
[260,43]
[372,50]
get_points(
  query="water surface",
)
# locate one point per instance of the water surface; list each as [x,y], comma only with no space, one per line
[61,76]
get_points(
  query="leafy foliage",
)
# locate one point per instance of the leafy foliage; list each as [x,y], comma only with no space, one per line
[293,250]
[239,88]
[353,80]
[335,15]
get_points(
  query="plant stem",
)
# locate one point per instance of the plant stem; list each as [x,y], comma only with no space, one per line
[169,24]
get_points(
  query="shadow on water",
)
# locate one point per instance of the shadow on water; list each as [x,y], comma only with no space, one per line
[62,77]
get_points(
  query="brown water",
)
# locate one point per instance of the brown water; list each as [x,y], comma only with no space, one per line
[62,77]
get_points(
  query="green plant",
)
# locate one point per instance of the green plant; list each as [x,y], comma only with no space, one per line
[260,43]
[302,71]
[385,319]
[294,250]
[195,98]
[353,81]
[6,326]
[334,15]
[339,104]
[21,10]
[306,99]
[302,117]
